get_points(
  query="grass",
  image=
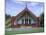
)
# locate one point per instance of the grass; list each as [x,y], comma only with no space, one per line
[33,30]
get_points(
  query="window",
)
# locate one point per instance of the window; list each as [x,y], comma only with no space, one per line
[29,21]
[22,21]
[26,21]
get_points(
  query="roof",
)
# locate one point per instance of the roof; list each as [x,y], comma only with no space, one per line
[25,10]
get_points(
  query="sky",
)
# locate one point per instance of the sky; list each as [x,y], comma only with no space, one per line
[13,7]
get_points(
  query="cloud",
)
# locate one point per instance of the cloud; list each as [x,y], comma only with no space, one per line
[13,8]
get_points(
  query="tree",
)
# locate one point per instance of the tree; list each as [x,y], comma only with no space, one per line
[7,21]
[7,16]
[42,20]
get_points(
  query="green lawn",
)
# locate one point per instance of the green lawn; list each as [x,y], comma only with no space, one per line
[32,30]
